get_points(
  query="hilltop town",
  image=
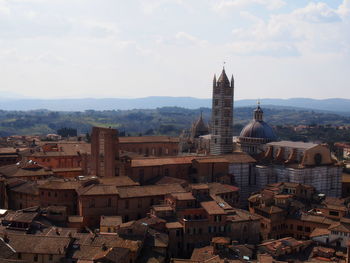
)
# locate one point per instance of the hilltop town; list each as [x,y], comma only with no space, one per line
[202,196]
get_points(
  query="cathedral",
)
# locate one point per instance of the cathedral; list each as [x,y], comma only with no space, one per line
[275,161]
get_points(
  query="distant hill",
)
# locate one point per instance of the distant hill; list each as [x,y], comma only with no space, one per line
[160,121]
[341,106]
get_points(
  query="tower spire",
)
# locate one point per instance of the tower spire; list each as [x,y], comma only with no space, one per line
[258,112]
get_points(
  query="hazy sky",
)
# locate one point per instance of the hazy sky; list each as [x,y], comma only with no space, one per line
[138,48]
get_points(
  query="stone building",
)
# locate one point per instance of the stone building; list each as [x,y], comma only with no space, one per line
[222,115]
[299,162]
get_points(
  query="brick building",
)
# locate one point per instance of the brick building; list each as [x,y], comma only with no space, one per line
[68,158]
[104,152]
[150,145]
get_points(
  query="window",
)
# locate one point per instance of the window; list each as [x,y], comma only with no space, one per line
[166,172]
[307,229]
[333,213]
[126,204]
[227,103]
[19,256]
[36,258]
[92,203]
[217,218]
[109,204]
[300,228]
[216,122]
[139,203]
[50,257]
[216,102]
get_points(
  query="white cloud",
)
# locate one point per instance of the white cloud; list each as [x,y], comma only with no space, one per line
[151,6]
[184,38]
[315,28]
[317,13]
[224,5]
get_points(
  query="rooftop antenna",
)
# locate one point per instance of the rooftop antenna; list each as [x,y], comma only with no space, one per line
[223,66]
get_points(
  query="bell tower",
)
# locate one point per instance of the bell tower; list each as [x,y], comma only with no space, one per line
[222,115]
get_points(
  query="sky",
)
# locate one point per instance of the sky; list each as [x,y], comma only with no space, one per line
[140,48]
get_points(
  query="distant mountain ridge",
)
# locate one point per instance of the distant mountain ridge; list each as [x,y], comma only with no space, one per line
[332,105]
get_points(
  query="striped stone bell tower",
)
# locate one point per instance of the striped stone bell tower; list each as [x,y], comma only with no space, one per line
[222,115]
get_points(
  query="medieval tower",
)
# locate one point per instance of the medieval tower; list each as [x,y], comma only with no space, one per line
[222,115]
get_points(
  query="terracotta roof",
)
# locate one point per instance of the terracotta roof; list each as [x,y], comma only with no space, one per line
[239,157]
[28,187]
[316,219]
[60,185]
[23,170]
[221,240]
[183,196]
[35,244]
[171,180]
[98,189]
[203,253]
[65,149]
[21,216]
[212,208]
[319,232]
[173,225]
[270,209]
[199,186]
[341,227]
[148,139]
[218,188]
[240,215]
[148,190]
[142,162]
[110,220]
[211,160]
[118,181]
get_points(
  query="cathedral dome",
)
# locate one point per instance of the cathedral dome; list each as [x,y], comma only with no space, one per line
[257,128]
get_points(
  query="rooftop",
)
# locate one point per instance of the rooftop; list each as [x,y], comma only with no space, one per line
[35,244]
[148,139]
[148,190]
[290,144]
[212,208]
